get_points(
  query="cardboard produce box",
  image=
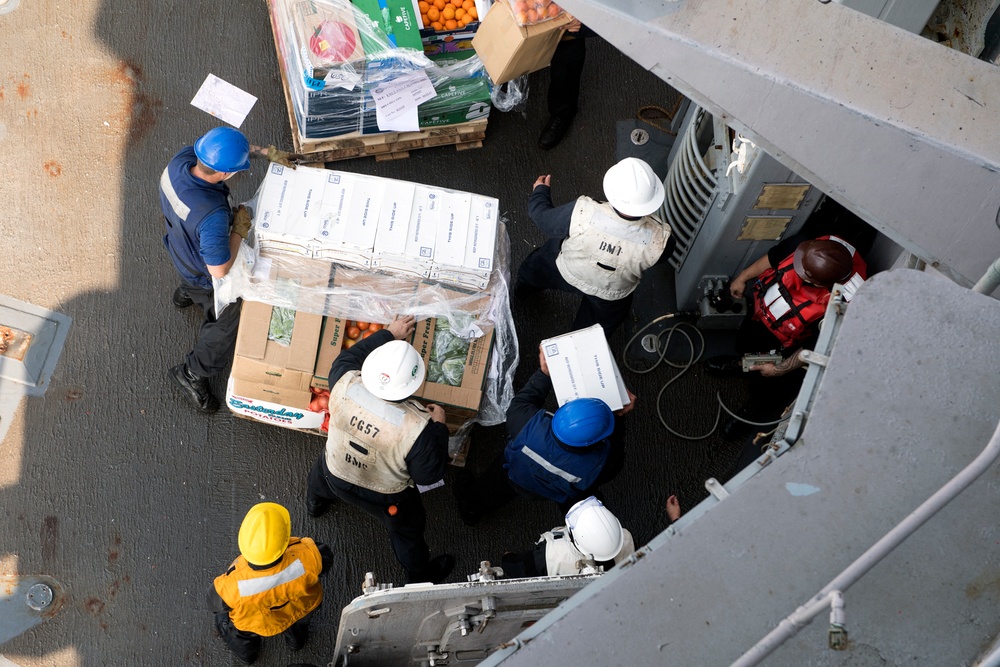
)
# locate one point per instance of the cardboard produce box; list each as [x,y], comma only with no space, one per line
[270,381]
[509,50]
[581,366]
[462,387]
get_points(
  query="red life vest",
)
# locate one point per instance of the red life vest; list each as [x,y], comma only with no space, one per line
[803,303]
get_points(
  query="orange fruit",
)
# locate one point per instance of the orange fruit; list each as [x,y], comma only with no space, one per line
[437,26]
[448,13]
[459,13]
[553,10]
[353,333]
[423,6]
[468,4]
[424,21]
[474,13]
[439,4]
[433,14]
[451,24]
[532,16]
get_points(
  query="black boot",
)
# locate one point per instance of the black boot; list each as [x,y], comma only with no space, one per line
[195,389]
[181,299]
[554,132]
[316,506]
[436,571]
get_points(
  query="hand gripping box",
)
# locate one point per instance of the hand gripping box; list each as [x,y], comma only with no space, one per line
[581,366]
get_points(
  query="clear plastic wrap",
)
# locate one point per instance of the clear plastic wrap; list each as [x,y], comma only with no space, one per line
[511,96]
[326,288]
[334,53]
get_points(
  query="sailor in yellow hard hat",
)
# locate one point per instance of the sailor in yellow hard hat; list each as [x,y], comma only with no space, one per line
[272,588]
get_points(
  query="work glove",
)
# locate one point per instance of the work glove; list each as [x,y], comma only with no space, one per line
[281,157]
[242,221]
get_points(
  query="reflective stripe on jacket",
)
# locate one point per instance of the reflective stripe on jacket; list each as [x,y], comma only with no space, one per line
[537,462]
[186,201]
[604,254]
[369,438]
[268,602]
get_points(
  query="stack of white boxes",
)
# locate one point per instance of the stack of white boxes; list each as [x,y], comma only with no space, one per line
[367,222]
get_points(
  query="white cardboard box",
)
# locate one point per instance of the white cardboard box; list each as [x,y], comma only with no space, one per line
[423,223]
[394,221]
[581,366]
[482,236]
[452,229]
[336,204]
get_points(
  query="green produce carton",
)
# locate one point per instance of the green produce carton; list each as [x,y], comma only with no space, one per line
[457,101]
[395,23]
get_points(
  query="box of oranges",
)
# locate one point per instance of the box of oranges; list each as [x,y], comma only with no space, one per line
[515,38]
[447,15]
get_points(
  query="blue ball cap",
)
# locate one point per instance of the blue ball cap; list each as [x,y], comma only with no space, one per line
[223,149]
[583,421]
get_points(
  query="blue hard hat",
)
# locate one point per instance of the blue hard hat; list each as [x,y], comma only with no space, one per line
[223,149]
[583,421]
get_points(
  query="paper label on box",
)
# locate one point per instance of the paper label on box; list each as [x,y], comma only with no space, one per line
[303,218]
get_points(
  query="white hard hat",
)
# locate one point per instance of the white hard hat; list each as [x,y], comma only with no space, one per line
[393,371]
[594,530]
[633,188]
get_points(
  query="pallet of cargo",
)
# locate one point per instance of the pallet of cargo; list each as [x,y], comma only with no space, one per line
[383,146]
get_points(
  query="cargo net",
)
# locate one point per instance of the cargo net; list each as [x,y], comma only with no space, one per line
[334,290]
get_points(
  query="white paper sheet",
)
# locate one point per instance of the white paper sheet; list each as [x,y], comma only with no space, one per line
[224,100]
[396,102]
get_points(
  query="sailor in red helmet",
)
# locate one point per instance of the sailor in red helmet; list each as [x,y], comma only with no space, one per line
[787,291]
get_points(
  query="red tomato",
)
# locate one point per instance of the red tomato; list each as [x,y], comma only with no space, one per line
[363,325]
[323,402]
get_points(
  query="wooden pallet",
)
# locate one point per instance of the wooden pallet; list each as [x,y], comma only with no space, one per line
[384,146]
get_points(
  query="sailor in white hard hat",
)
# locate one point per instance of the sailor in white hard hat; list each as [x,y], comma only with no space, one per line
[598,250]
[382,443]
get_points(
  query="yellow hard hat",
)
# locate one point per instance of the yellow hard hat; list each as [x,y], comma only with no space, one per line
[264,533]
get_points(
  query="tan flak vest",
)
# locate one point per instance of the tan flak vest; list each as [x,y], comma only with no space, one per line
[369,438]
[604,254]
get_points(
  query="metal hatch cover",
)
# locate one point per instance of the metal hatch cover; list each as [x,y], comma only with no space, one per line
[446,624]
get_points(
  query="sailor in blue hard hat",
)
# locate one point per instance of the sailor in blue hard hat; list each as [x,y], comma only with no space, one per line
[563,456]
[203,235]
